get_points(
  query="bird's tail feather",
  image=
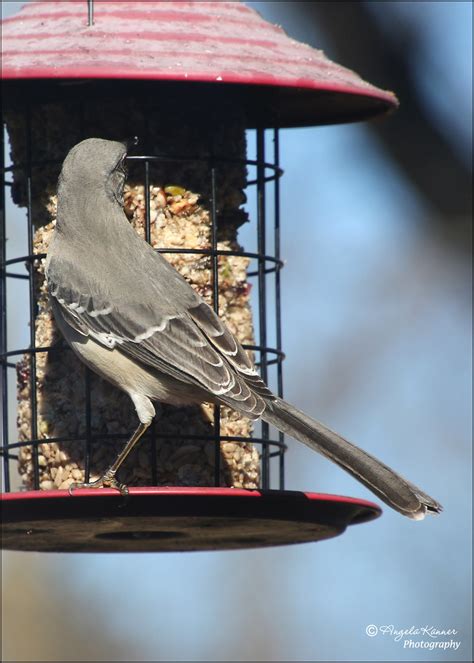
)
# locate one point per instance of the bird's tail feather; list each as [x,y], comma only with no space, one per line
[389,486]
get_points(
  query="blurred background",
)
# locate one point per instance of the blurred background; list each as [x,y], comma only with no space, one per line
[377,330]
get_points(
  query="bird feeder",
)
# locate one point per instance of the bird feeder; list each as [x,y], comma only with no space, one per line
[189,79]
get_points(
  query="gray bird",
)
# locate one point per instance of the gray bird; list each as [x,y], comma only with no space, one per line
[130,317]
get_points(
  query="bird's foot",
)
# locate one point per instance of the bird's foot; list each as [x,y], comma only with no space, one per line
[108,480]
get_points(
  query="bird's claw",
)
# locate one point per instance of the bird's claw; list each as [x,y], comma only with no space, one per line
[105,481]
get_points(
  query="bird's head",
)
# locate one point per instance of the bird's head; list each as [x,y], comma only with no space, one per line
[95,165]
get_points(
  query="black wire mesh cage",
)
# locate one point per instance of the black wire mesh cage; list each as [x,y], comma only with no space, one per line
[161,194]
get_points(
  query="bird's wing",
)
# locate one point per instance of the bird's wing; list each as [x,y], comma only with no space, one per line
[188,342]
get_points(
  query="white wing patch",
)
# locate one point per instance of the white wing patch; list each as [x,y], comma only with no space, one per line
[152,330]
[95,314]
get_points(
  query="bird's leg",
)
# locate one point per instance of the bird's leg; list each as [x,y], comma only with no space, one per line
[108,480]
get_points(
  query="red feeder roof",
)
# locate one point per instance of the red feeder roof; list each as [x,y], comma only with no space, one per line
[208,42]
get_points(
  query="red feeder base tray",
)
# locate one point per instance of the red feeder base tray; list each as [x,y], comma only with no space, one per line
[172,519]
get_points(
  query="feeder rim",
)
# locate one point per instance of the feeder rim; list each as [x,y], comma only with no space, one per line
[87,73]
[174,519]
[195,491]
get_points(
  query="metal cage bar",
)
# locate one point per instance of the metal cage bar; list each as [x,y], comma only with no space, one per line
[29,220]
[3,327]
[262,290]
[151,434]
[215,302]
[266,264]
[88,440]
[280,356]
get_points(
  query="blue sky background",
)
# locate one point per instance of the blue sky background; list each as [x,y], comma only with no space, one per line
[377,331]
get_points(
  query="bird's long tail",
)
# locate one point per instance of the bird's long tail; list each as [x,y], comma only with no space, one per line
[389,486]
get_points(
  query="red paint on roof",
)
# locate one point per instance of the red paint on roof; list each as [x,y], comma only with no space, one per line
[217,42]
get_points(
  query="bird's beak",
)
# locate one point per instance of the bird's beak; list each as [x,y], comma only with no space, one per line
[131,142]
